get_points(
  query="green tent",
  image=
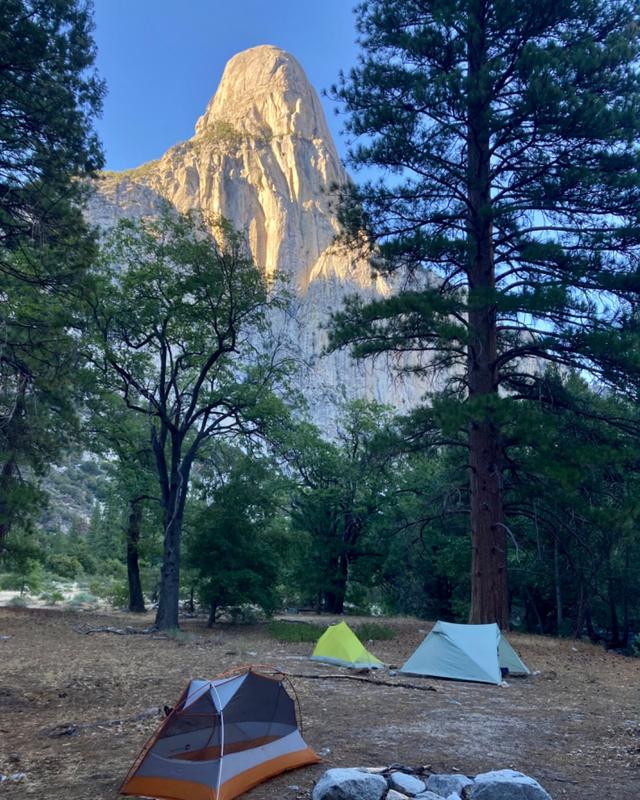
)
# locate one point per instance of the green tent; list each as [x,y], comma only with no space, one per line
[339,645]
[465,653]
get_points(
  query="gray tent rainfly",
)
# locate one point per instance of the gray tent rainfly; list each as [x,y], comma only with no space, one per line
[465,653]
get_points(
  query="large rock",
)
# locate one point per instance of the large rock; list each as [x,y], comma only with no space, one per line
[448,784]
[407,784]
[392,794]
[506,784]
[349,784]
[263,158]
[429,796]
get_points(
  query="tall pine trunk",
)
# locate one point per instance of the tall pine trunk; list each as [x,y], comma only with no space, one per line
[489,598]
[6,481]
[136,598]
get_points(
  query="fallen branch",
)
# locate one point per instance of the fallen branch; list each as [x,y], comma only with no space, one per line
[336,677]
[88,630]
[72,728]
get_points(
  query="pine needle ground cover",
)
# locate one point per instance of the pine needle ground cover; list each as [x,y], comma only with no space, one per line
[573,726]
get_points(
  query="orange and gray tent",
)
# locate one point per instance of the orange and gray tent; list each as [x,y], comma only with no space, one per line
[222,738]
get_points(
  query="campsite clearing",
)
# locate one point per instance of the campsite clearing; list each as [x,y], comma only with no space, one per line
[575,726]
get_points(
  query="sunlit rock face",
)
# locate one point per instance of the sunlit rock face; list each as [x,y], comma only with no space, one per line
[263,158]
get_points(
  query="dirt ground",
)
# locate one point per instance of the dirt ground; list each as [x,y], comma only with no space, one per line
[575,726]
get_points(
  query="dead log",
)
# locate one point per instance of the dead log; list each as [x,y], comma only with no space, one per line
[128,631]
[337,677]
[72,728]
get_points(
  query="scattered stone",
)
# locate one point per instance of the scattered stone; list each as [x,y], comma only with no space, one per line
[349,784]
[406,783]
[373,770]
[506,784]
[428,796]
[393,795]
[4,638]
[448,784]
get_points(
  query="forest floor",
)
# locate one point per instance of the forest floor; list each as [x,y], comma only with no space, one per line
[575,726]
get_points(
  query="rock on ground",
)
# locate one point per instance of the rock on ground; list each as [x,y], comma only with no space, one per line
[506,784]
[429,796]
[406,783]
[448,784]
[393,795]
[349,784]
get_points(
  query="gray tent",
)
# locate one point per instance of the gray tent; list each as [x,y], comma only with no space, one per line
[465,653]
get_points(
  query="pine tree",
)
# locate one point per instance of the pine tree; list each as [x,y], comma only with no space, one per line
[49,97]
[508,137]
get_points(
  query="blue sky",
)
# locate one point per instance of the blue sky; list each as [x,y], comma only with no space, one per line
[163,59]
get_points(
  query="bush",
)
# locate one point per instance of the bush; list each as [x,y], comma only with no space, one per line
[294,631]
[18,602]
[52,597]
[64,566]
[83,599]
[245,615]
[114,568]
[373,631]
[118,594]
[10,582]
[100,586]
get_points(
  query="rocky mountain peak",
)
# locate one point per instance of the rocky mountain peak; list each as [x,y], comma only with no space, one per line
[263,158]
[265,93]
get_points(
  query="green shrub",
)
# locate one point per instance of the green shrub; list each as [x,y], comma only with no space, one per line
[87,562]
[114,568]
[373,631]
[245,615]
[83,599]
[222,132]
[18,602]
[10,582]
[64,566]
[118,594]
[100,586]
[295,631]
[51,598]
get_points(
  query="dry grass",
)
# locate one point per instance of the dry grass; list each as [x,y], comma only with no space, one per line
[574,726]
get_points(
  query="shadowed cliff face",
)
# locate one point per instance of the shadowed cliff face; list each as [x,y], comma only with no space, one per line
[262,157]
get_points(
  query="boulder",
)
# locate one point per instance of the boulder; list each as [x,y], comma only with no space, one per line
[448,784]
[407,784]
[429,796]
[393,795]
[349,784]
[506,784]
